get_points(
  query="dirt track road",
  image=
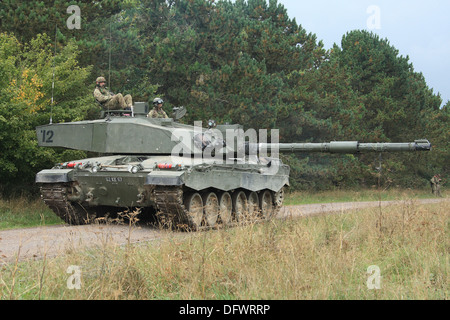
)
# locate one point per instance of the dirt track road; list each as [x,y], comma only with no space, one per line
[35,243]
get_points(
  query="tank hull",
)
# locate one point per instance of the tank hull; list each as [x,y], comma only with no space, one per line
[83,190]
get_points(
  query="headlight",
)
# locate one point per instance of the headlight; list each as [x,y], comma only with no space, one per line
[134,169]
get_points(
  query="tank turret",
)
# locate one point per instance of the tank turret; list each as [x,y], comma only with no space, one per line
[190,177]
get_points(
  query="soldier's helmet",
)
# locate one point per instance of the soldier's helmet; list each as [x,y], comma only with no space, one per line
[158,101]
[100,79]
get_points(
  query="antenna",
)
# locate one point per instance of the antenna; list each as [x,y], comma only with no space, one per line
[110,44]
[109,68]
[53,80]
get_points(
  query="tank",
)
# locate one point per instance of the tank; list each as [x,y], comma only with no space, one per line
[188,176]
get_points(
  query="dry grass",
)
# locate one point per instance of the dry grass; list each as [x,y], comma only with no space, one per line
[324,257]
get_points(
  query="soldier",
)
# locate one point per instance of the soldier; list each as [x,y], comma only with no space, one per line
[108,100]
[435,185]
[157,111]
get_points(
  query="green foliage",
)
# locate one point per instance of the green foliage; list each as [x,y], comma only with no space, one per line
[235,61]
[26,93]
[365,91]
[224,60]
[26,19]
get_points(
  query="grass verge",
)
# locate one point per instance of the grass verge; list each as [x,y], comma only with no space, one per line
[22,213]
[306,197]
[324,257]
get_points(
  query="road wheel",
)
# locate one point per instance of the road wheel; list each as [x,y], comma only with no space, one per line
[266,204]
[278,198]
[212,208]
[253,205]
[226,208]
[194,210]
[240,205]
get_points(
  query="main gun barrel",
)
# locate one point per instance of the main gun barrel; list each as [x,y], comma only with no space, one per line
[348,147]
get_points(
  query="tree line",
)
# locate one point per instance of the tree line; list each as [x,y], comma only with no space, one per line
[244,62]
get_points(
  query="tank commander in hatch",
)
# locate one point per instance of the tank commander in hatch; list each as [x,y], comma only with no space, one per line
[157,111]
[109,100]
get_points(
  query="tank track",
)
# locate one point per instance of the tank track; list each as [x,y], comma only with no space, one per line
[172,213]
[55,197]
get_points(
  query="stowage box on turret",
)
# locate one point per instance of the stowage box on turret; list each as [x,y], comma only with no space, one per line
[189,176]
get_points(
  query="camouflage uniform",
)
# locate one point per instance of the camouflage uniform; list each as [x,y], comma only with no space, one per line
[435,186]
[155,113]
[111,101]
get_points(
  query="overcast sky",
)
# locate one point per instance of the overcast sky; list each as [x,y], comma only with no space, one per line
[418,29]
